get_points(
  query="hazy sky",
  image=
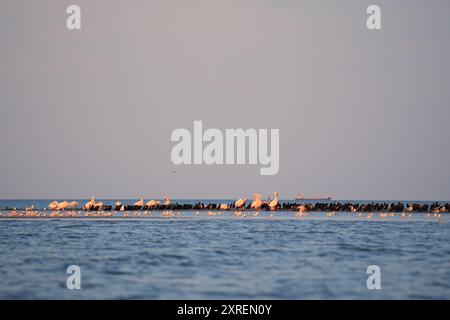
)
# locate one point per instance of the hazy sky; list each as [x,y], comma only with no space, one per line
[362,114]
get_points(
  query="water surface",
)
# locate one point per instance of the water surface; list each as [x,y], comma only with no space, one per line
[225,257]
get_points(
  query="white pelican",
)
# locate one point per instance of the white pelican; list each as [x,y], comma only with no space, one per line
[257,202]
[72,205]
[166,200]
[152,203]
[62,205]
[139,203]
[238,204]
[53,205]
[273,205]
[89,204]
[98,206]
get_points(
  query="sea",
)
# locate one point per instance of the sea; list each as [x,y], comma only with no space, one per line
[194,255]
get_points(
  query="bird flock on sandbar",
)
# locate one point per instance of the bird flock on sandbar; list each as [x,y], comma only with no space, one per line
[241,207]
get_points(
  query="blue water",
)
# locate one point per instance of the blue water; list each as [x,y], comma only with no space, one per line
[225,257]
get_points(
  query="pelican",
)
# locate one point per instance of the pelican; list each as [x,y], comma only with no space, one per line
[152,203]
[98,206]
[89,204]
[240,203]
[53,205]
[257,202]
[166,201]
[273,205]
[62,205]
[73,205]
[139,203]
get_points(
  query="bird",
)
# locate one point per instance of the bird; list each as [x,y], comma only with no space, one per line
[152,203]
[53,205]
[238,204]
[89,204]
[273,205]
[73,205]
[62,205]
[118,206]
[139,204]
[257,202]
[98,206]
[166,200]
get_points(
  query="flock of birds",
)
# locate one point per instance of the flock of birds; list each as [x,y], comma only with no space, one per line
[239,208]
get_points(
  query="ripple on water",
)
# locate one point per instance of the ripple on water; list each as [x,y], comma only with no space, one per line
[223,259]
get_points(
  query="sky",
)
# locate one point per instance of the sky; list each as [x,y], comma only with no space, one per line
[362,114]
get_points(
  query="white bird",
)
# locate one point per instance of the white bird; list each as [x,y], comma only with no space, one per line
[152,203]
[89,204]
[240,203]
[53,205]
[166,200]
[73,205]
[257,202]
[139,203]
[63,205]
[273,205]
